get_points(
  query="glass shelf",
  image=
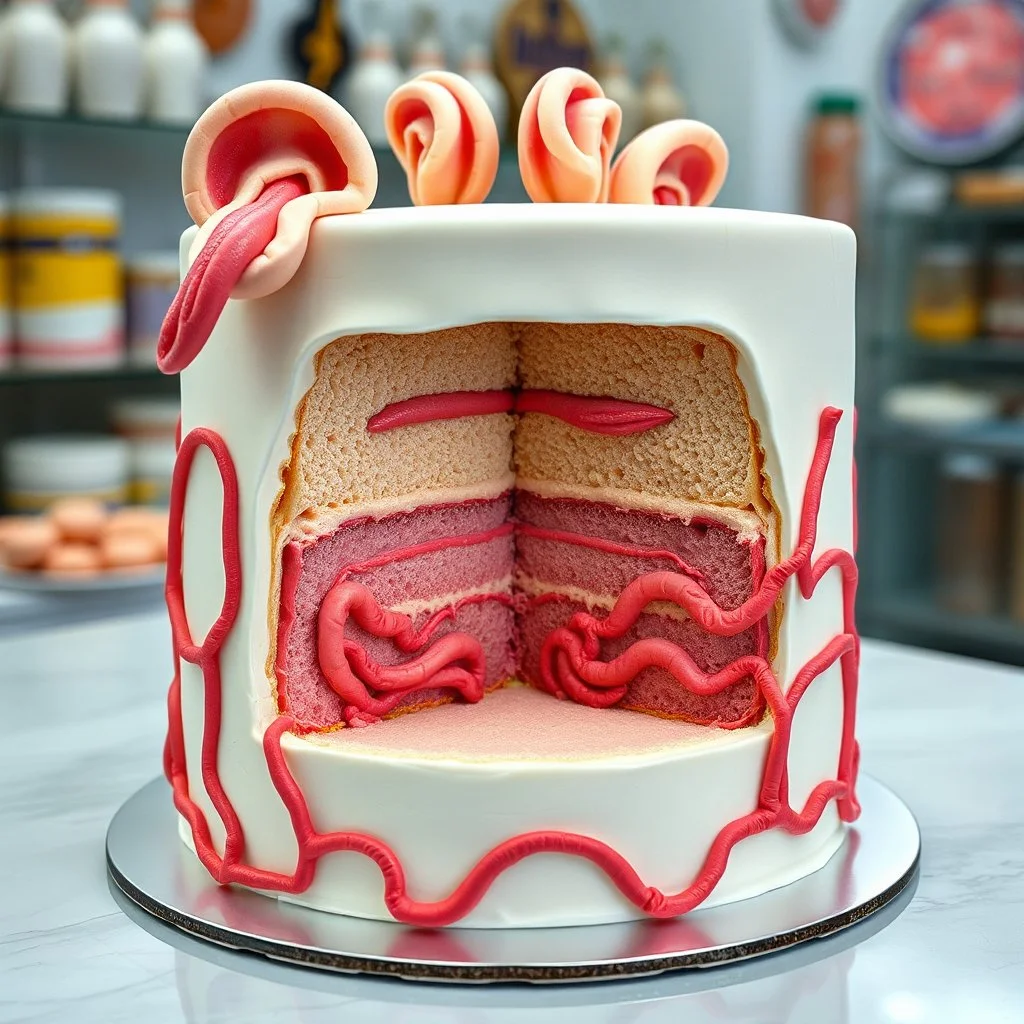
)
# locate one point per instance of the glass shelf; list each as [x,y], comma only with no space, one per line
[10,120]
[13,375]
[1001,439]
[955,213]
[977,351]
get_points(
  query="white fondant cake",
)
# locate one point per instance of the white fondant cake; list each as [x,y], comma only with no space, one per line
[441,789]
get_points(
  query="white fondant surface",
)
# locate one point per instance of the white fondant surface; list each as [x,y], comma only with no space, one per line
[781,288]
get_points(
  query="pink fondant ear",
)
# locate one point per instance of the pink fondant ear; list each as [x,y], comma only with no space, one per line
[567,134]
[260,166]
[678,163]
[444,136]
[264,132]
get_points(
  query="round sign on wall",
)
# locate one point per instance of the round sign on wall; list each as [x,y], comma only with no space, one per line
[807,21]
[951,87]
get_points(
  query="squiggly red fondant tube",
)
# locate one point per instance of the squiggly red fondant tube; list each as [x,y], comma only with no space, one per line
[773,809]
[567,135]
[260,166]
[678,163]
[444,136]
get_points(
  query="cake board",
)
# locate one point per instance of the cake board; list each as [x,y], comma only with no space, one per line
[150,867]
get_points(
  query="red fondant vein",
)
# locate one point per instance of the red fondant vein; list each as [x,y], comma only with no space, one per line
[773,809]
[613,416]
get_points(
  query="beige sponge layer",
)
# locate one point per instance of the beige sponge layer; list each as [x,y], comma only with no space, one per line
[708,453]
[337,465]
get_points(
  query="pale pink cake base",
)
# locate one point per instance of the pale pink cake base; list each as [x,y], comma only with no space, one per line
[518,724]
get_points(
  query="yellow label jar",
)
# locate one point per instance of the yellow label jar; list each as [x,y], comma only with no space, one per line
[68,285]
[6,328]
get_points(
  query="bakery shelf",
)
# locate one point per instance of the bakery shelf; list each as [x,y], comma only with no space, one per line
[956,214]
[1002,440]
[123,372]
[61,122]
[914,617]
[976,352]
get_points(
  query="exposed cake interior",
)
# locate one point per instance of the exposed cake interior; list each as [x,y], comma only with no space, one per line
[454,499]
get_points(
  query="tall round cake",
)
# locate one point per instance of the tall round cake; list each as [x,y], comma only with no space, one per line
[511,568]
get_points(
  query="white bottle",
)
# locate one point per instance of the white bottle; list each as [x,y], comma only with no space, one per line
[618,86]
[37,58]
[107,56]
[428,50]
[375,76]
[176,60]
[478,71]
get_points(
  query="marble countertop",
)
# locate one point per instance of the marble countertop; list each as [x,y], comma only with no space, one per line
[82,729]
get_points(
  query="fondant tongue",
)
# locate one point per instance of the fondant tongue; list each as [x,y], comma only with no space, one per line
[236,241]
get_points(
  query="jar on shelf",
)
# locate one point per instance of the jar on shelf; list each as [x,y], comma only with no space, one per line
[107,60]
[40,470]
[68,287]
[6,272]
[152,281]
[1004,306]
[970,554]
[1017,547]
[945,306]
[176,62]
[832,172]
[38,60]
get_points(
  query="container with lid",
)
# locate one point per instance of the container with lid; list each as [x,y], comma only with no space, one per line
[832,173]
[37,58]
[152,466]
[152,281]
[107,61]
[69,293]
[971,520]
[6,324]
[39,470]
[940,405]
[146,419]
[945,307]
[1004,306]
[176,63]
[1017,547]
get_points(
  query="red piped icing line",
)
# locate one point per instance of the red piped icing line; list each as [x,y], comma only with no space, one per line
[456,661]
[614,416]
[772,811]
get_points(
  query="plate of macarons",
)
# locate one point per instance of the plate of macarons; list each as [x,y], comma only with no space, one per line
[79,544]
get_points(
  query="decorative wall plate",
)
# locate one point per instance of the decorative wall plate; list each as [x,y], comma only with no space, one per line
[951,80]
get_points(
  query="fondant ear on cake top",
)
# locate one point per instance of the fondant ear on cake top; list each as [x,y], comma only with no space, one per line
[261,164]
[678,163]
[445,138]
[567,135]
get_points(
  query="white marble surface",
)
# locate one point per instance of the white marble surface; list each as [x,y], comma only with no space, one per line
[82,729]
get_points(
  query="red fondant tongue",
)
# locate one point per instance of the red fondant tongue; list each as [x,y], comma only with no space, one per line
[236,241]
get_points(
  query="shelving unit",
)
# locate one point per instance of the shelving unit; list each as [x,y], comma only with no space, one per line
[899,464]
[142,161]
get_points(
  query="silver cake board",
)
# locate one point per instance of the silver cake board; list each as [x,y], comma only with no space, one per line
[158,880]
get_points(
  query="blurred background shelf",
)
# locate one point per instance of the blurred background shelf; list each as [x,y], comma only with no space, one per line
[915,617]
[14,376]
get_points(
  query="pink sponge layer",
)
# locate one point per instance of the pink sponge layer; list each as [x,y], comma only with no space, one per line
[559,544]
[310,570]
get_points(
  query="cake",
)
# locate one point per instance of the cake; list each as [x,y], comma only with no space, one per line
[510,569]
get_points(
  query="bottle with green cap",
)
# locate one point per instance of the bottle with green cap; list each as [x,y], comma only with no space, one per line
[832,168]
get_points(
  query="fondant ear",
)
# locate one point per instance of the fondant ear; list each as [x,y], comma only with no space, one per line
[260,166]
[445,138]
[262,133]
[678,163]
[567,135]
